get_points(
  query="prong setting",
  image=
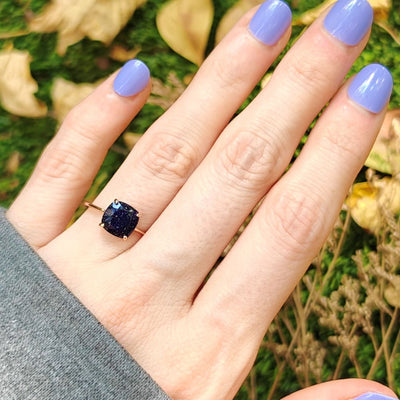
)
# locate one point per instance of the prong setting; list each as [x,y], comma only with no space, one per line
[120,219]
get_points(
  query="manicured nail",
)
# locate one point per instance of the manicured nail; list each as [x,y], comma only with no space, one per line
[371,88]
[271,21]
[132,78]
[349,20]
[374,396]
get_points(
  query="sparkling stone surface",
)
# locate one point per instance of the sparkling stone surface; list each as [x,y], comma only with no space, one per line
[120,219]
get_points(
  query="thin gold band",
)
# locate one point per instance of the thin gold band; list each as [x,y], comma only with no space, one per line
[87,204]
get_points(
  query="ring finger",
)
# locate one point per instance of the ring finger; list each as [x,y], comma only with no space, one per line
[173,147]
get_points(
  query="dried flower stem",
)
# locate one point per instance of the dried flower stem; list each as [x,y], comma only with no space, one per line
[380,350]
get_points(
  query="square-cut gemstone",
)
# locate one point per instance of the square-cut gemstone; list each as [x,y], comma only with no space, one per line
[120,219]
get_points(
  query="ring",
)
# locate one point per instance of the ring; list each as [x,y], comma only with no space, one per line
[119,219]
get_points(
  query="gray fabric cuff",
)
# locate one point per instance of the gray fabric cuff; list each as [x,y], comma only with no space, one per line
[51,346]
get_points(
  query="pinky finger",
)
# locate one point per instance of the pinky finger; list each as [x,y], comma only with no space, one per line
[72,159]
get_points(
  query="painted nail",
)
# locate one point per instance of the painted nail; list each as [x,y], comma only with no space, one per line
[374,396]
[349,20]
[132,78]
[371,88]
[271,21]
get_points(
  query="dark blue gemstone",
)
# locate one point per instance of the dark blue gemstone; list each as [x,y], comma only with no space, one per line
[120,219]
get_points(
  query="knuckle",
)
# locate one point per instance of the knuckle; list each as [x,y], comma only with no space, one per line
[231,76]
[249,160]
[60,163]
[307,71]
[340,143]
[79,127]
[170,158]
[296,218]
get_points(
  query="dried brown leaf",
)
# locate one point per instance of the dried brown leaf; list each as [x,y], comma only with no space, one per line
[232,16]
[385,154]
[17,87]
[66,95]
[391,31]
[120,53]
[165,94]
[392,292]
[266,79]
[185,26]
[13,162]
[381,11]
[368,200]
[131,139]
[363,205]
[74,19]
[310,16]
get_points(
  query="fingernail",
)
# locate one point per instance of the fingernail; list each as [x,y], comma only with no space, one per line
[349,20]
[271,21]
[374,396]
[371,88]
[132,78]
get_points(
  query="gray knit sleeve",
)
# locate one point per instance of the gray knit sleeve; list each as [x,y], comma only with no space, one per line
[51,346]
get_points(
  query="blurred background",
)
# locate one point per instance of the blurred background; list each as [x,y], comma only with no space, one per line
[343,318]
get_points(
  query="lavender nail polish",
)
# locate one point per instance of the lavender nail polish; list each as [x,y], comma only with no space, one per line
[132,78]
[349,20]
[371,88]
[271,21]
[374,396]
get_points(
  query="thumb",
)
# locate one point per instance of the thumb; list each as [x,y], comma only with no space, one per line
[346,389]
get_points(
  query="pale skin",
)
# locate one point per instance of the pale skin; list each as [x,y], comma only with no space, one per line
[195,177]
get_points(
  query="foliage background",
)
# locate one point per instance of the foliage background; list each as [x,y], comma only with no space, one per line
[347,281]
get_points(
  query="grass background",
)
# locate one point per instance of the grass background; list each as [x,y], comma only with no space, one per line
[88,61]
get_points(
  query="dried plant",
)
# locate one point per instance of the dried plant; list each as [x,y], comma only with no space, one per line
[332,328]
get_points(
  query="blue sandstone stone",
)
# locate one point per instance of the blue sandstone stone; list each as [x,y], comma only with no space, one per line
[120,219]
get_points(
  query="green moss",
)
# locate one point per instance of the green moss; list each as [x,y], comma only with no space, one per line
[27,137]
[12,16]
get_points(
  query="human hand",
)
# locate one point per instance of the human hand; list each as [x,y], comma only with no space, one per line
[195,177]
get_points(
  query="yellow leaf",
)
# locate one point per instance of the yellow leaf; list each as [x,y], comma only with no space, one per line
[368,200]
[381,11]
[265,80]
[185,26]
[389,195]
[232,16]
[363,206]
[120,53]
[67,95]
[385,154]
[74,19]
[310,16]
[392,292]
[131,139]
[17,87]
[13,162]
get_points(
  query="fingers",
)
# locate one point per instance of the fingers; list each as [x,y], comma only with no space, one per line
[70,162]
[299,211]
[173,147]
[345,389]
[249,157]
